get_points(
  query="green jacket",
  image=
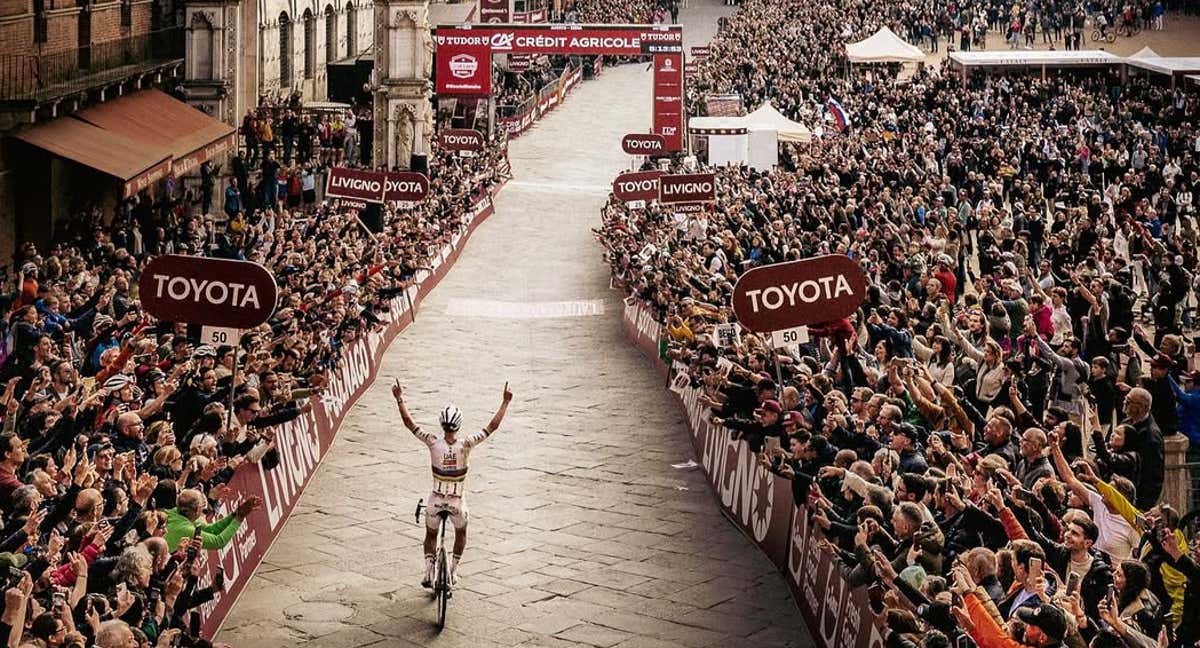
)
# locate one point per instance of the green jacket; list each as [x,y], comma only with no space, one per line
[213,536]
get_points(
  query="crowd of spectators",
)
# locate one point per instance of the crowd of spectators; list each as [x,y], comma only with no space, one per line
[122,433]
[983,441]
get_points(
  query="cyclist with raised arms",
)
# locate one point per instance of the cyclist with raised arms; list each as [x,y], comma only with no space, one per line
[448,455]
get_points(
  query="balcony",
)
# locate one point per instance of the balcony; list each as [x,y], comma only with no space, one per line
[40,78]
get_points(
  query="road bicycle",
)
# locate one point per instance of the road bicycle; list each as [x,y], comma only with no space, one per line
[441,575]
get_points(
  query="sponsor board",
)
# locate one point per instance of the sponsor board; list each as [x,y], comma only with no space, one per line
[493,11]
[668,99]
[461,139]
[204,290]
[465,71]
[640,186]
[797,293]
[621,40]
[304,442]
[643,144]
[374,187]
[761,505]
[687,188]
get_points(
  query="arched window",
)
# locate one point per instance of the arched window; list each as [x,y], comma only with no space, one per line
[310,40]
[331,35]
[201,34]
[285,50]
[351,30]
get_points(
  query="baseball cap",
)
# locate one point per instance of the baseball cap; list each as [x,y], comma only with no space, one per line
[1162,361]
[771,406]
[1046,618]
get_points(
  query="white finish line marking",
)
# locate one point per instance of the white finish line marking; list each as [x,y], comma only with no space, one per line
[561,187]
[524,310]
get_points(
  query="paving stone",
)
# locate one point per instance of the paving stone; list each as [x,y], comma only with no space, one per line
[579,536]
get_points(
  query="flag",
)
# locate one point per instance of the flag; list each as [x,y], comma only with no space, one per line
[840,116]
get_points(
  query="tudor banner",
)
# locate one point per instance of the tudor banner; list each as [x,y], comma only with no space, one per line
[464,59]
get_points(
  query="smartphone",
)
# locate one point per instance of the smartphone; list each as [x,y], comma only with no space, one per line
[1035,566]
[1073,581]
[771,445]
[962,641]
[1140,521]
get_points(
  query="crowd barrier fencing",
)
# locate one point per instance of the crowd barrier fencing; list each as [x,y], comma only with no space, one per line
[304,442]
[760,505]
[546,99]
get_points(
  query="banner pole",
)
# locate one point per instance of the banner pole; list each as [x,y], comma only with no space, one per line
[233,380]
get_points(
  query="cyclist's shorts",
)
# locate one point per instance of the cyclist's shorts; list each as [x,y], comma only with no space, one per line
[456,505]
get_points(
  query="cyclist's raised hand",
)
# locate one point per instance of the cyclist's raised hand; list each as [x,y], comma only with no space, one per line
[398,391]
[507,393]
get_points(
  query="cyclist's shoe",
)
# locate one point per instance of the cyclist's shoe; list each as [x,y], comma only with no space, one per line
[427,582]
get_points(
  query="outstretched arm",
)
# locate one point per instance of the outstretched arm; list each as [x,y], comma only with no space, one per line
[398,394]
[499,416]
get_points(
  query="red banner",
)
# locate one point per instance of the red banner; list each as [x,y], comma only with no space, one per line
[375,187]
[643,144]
[668,99]
[465,71]
[493,11]
[760,505]
[637,186]
[687,188]
[464,59]
[626,40]
[461,139]
[304,442]
[799,293]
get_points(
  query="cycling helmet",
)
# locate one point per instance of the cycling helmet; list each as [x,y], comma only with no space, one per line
[451,418]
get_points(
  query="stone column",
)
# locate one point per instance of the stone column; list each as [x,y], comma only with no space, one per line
[215,51]
[403,63]
[1177,482]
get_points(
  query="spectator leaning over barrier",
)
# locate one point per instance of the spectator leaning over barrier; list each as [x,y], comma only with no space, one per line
[184,521]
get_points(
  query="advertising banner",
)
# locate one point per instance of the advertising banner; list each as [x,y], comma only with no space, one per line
[637,186]
[374,187]
[760,505]
[465,71]
[493,11]
[304,442]
[668,99]
[621,40]
[203,290]
[461,139]
[799,293]
[687,188]
[643,144]
[464,59]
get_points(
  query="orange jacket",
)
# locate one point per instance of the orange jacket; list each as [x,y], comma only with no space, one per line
[985,631]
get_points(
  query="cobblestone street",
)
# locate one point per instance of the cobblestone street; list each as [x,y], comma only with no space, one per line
[582,534]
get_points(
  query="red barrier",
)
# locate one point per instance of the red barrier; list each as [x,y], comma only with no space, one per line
[546,100]
[304,442]
[760,505]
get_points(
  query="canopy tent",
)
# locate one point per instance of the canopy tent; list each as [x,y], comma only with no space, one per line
[1145,52]
[751,139]
[767,117]
[884,47]
[1032,58]
[1167,64]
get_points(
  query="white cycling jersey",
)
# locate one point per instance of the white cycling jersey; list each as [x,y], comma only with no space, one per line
[449,461]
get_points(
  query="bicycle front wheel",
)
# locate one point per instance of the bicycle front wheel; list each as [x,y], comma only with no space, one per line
[443,588]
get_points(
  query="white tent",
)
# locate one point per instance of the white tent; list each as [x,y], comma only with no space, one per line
[884,47]
[767,117]
[1145,52]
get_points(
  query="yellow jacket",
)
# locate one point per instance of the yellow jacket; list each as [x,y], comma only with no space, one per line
[1173,580]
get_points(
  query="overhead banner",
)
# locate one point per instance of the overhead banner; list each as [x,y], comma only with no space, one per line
[584,40]
[463,59]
